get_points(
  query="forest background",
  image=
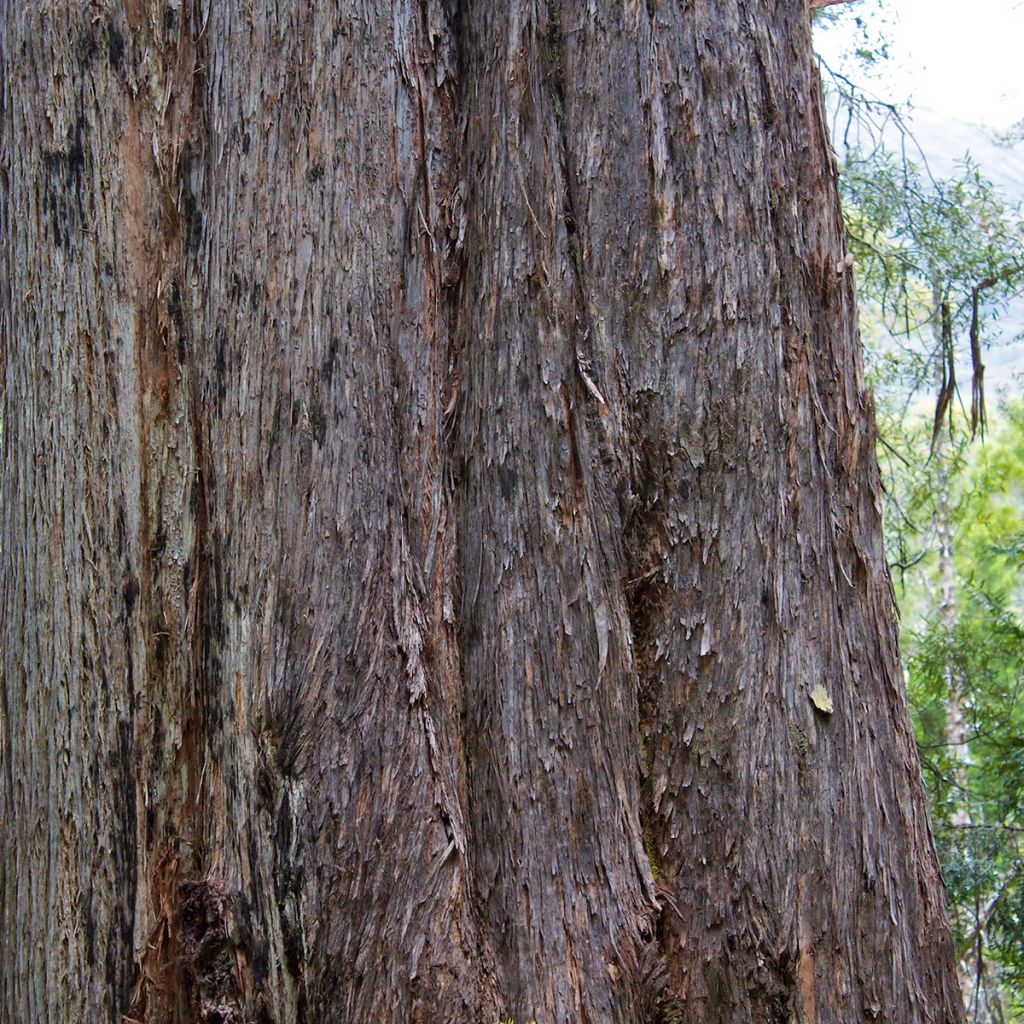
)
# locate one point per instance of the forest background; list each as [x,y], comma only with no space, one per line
[929,136]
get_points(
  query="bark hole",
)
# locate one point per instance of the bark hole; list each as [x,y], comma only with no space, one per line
[209,956]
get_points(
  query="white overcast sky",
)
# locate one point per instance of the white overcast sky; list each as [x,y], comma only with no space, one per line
[963,60]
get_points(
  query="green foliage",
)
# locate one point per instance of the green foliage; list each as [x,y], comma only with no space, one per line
[970,656]
[913,234]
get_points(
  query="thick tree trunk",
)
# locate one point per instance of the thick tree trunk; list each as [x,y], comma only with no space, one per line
[442,566]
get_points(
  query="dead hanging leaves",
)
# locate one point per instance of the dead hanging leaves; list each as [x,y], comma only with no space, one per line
[947,386]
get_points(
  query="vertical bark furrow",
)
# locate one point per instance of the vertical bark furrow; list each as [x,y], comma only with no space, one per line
[337,674]
[551,696]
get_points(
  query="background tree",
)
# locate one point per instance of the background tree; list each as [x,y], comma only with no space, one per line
[973,772]
[936,257]
[443,571]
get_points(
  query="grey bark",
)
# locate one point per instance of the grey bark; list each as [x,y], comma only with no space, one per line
[437,475]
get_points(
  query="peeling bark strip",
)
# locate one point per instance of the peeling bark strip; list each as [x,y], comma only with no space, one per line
[442,568]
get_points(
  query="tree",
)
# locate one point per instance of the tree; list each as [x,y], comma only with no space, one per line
[946,254]
[973,772]
[443,570]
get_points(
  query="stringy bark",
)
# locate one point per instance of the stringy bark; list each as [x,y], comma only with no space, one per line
[437,476]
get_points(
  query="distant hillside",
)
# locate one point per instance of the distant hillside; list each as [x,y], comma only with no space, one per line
[945,141]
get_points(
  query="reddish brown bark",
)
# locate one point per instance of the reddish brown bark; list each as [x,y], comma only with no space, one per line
[437,474]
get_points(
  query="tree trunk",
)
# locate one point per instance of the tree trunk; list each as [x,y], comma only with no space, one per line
[442,570]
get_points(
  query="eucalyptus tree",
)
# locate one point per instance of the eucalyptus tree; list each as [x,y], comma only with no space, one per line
[443,571]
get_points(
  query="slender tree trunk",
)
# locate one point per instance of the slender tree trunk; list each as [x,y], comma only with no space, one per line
[442,562]
[956,719]
[957,732]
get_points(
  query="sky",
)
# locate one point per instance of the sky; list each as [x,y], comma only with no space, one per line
[961,60]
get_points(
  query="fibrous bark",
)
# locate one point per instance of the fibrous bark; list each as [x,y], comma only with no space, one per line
[442,559]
